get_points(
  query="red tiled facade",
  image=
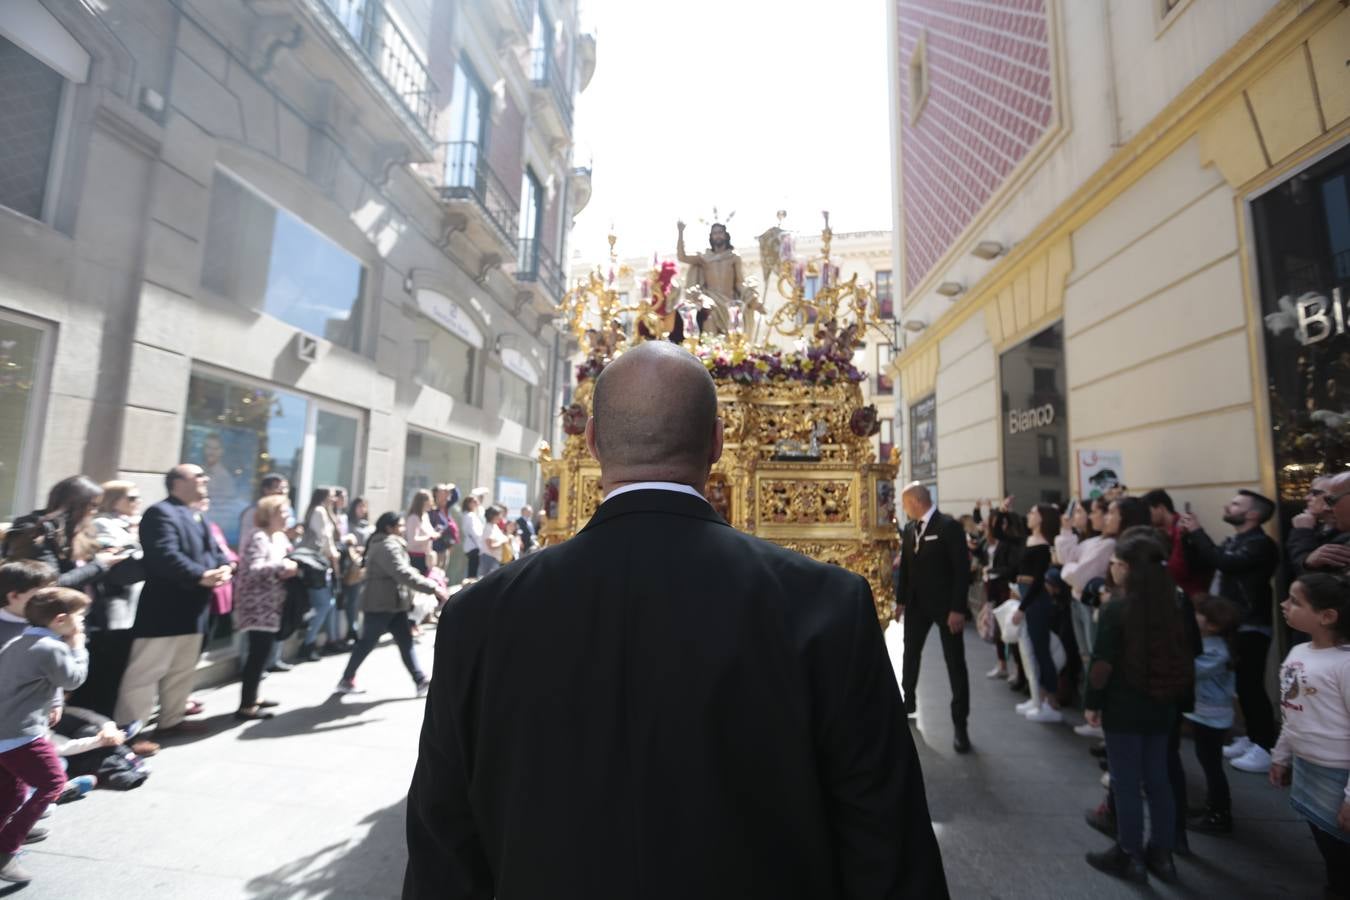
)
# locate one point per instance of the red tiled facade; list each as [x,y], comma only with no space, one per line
[989,101]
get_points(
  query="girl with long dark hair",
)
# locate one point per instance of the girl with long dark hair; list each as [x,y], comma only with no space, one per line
[48,535]
[1142,672]
[1037,610]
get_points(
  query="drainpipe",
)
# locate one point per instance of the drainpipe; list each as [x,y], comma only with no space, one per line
[1112,99]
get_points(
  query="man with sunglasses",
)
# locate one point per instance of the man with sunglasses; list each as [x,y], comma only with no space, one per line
[1328,547]
[1244,565]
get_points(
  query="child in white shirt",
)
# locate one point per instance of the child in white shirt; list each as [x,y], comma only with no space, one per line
[1313,751]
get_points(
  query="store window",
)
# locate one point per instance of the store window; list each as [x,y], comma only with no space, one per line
[261,256]
[30,109]
[240,432]
[1302,230]
[887,437]
[885,295]
[1035,423]
[885,380]
[429,460]
[24,346]
[514,484]
[445,362]
[923,440]
[518,388]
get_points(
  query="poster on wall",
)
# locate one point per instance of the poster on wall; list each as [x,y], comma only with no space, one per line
[513,495]
[1098,472]
[228,455]
[923,440]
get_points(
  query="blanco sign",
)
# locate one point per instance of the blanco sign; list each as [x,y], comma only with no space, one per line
[1314,323]
[1020,420]
[448,314]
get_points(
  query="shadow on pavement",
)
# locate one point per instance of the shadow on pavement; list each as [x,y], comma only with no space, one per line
[325,716]
[370,867]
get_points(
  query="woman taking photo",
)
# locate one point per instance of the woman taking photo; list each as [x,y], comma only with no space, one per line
[1141,673]
[49,535]
[386,603]
[259,596]
[321,536]
[113,612]
[1037,611]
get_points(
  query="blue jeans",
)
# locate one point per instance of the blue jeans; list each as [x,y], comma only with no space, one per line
[1140,760]
[351,604]
[322,603]
[373,627]
[1036,617]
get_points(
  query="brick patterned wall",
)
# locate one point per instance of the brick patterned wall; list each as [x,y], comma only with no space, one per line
[989,102]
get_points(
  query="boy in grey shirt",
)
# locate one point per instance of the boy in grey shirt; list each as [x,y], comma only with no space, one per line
[48,656]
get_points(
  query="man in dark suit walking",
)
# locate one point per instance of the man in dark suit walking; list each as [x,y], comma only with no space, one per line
[525,528]
[932,590]
[602,724]
[182,567]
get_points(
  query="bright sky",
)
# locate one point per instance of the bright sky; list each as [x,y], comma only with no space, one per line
[746,105]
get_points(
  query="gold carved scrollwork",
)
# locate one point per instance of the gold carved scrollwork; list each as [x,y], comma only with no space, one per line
[871,561]
[805,502]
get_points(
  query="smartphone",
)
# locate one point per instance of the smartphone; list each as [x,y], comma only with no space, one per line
[1187,507]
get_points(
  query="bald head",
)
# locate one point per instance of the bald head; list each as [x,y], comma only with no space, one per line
[915,500]
[654,416]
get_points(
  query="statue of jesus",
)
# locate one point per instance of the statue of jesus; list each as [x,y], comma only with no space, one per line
[714,278]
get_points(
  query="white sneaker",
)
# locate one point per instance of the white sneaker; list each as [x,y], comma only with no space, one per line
[1237,748]
[1012,674]
[1026,706]
[347,687]
[1089,731]
[995,672]
[1106,780]
[1254,760]
[1045,713]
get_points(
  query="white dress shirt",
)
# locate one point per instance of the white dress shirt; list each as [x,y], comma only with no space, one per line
[654,486]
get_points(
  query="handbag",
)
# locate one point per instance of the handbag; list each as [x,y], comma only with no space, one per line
[1011,632]
[985,625]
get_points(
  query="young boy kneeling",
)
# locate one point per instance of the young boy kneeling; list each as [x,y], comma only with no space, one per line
[47,657]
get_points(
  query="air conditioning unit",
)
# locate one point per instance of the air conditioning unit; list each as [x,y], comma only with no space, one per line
[306,348]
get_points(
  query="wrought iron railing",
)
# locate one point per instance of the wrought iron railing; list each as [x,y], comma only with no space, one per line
[468,177]
[535,263]
[544,72]
[385,48]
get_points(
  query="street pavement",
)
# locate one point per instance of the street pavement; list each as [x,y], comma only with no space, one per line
[311,804]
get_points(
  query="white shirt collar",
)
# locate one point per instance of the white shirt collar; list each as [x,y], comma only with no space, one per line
[654,486]
[7,616]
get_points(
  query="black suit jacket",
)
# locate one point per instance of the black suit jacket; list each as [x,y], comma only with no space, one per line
[525,528]
[602,724]
[178,551]
[935,579]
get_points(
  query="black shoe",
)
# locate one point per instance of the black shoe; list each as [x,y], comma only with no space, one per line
[1160,863]
[961,742]
[1098,749]
[280,666]
[1211,821]
[1117,862]
[1020,686]
[1102,819]
[308,653]
[911,709]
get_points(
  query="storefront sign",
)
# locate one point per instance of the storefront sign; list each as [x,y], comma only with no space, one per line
[519,364]
[1312,317]
[1099,471]
[512,494]
[449,315]
[1020,420]
[923,440]
[1036,442]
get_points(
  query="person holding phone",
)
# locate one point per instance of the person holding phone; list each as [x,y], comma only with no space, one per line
[1186,568]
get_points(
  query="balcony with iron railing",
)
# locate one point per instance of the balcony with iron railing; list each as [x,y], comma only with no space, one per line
[548,79]
[387,57]
[535,264]
[485,201]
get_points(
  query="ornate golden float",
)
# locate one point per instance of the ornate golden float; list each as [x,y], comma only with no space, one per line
[798,467]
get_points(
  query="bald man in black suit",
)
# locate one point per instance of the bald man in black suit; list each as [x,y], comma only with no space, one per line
[604,725]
